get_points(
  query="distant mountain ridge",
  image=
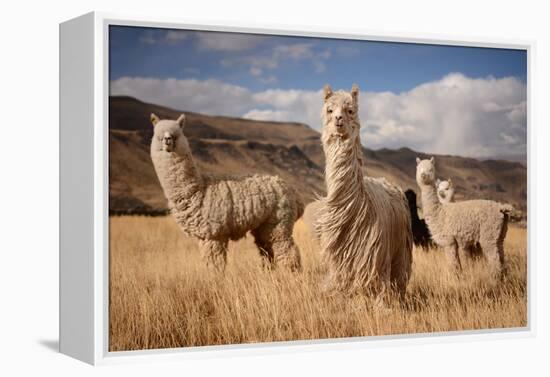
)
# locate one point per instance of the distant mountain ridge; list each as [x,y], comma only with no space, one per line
[227,145]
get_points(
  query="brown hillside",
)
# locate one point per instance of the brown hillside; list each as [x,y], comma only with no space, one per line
[228,145]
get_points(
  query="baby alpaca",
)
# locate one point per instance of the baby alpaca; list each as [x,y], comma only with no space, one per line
[445,191]
[216,209]
[463,224]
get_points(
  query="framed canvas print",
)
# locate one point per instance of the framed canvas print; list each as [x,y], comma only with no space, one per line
[230,189]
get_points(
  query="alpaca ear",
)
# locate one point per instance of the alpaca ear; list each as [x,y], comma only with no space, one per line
[417,160]
[327,92]
[154,119]
[181,121]
[432,160]
[355,92]
[437,182]
[450,182]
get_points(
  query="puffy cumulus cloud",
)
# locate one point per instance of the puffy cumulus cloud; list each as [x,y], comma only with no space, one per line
[271,115]
[298,105]
[210,96]
[483,117]
[454,115]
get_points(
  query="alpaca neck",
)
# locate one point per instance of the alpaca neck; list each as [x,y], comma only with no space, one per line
[343,172]
[179,176]
[430,201]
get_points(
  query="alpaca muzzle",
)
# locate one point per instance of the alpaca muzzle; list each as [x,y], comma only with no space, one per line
[168,144]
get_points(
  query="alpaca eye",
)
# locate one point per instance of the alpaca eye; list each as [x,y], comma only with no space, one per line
[329,111]
[350,112]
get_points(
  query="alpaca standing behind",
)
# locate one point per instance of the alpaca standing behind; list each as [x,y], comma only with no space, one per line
[364,224]
[445,190]
[421,234]
[464,224]
[446,194]
[216,209]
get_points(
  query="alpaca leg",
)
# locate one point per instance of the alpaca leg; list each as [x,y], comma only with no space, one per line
[286,254]
[472,251]
[214,252]
[265,248]
[452,256]
[494,252]
[277,239]
[503,271]
[400,274]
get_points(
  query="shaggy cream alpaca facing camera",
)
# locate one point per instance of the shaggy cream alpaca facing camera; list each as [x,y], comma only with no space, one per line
[363,223]
[218,209]
[339,114]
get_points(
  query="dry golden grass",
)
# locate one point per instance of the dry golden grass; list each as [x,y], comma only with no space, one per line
[162,295]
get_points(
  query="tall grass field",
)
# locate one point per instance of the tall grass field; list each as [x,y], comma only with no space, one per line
[162,295]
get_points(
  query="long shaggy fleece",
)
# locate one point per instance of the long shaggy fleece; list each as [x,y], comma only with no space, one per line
[463,225]
[364,223]
[216,209]
[311,216]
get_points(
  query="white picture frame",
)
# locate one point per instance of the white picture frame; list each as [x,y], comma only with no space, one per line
[84,214]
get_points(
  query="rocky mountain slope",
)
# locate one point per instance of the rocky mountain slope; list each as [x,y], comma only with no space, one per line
[292,150]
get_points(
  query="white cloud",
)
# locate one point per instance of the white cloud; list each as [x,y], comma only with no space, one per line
[297,51]
[258,64]
[227,41]
[456,115]
[210,96]
[272,115]
[170,37]
[175,36]
[255,71]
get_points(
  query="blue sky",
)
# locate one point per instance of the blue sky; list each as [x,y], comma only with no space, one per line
[406,99]
[375,66]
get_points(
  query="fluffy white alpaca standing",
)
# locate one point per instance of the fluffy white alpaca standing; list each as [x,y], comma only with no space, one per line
[216,209]
[364,223]
[445,190]
[463,225]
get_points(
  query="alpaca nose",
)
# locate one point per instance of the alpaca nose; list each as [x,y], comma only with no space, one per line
[423,175]
[167,139]
[338,118]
